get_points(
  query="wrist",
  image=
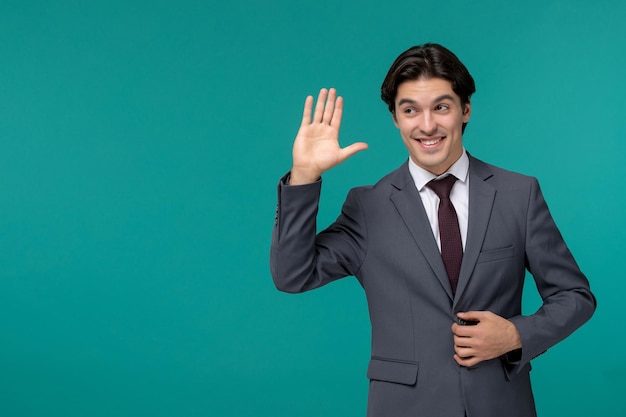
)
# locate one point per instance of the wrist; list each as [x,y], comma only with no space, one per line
[301,177]
[516,340]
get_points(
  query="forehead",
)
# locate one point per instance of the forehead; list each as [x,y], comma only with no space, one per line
[426,90]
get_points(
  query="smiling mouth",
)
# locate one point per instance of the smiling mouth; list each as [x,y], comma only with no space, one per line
[430,141]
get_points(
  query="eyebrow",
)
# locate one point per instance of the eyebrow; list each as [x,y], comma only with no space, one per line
[436,100]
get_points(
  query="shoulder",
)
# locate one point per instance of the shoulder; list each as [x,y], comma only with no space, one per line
[396,179]
[498,176]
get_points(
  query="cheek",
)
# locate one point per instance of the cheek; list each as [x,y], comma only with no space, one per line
[405,127]
[406,134]
[455,127]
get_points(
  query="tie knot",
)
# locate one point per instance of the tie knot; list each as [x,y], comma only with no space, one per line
[442,186]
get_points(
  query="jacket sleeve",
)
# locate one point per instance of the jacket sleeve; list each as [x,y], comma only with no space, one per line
[300,259]
[567,299]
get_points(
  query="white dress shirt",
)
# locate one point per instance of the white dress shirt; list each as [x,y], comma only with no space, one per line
[459,194]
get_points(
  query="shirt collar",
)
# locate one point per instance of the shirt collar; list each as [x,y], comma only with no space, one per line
[421,177]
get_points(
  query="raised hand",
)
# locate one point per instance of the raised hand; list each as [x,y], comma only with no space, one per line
[316,148]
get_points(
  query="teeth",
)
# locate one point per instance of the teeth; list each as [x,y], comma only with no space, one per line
[430,142]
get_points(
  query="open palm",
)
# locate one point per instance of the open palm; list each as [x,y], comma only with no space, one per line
[316,148]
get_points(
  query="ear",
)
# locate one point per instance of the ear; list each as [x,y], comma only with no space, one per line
[467,111]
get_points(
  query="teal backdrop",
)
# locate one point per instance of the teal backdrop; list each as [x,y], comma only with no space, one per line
[140,147]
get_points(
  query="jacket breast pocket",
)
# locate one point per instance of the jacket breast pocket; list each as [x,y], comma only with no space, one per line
[496,254]
[388,370]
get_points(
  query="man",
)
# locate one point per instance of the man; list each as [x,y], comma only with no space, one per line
[443,274]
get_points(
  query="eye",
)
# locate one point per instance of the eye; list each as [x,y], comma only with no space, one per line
[409,110]
[441,107]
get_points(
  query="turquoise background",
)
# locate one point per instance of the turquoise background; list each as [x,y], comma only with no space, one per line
[140,146]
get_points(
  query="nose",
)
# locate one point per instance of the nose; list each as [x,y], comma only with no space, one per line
[429,125]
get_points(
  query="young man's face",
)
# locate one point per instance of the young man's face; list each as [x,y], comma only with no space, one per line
[430,118]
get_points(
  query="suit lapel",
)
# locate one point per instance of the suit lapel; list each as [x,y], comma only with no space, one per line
[407,201]
[481,198]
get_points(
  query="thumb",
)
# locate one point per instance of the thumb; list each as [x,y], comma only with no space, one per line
[350,150]
[470,315]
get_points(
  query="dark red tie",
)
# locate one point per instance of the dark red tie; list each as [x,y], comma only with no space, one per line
[449,233]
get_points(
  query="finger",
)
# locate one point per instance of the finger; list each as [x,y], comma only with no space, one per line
[306,114]
[463,331]
[466,362]
[337,114]
[319,106]
[471,315]
[329,108]
[462,341]
[464,352]
[350,150]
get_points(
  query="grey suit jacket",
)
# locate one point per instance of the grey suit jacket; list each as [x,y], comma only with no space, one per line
[384,239]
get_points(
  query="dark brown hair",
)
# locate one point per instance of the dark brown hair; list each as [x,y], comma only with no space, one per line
[427,61]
